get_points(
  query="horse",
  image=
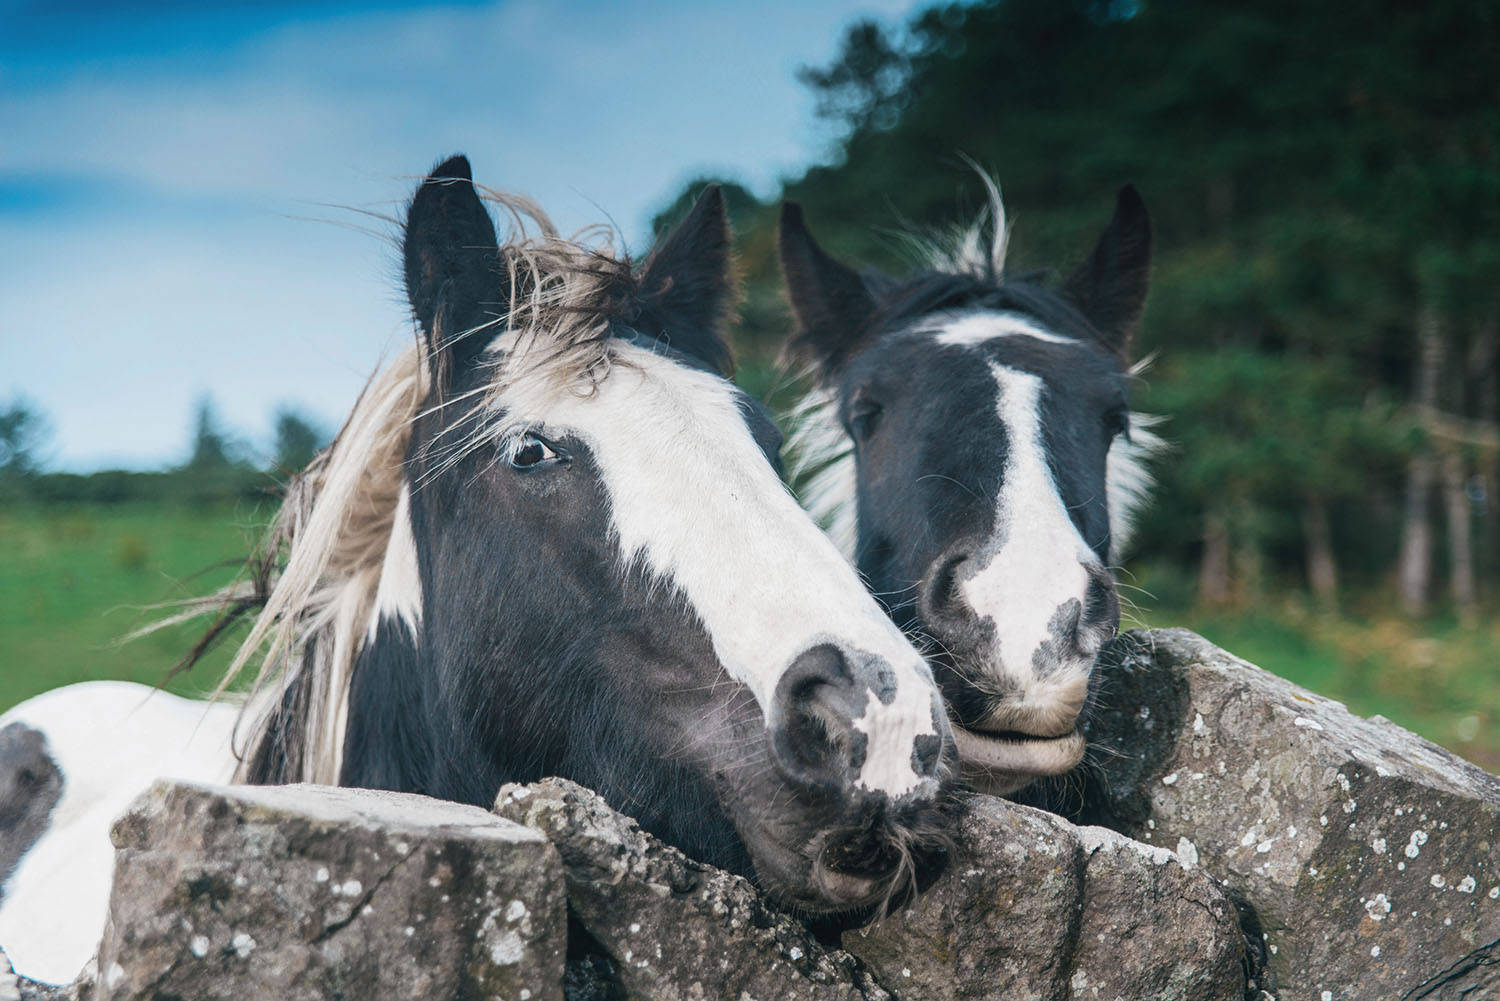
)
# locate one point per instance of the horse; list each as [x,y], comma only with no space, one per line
[71,760]
[551,539]
[969,442]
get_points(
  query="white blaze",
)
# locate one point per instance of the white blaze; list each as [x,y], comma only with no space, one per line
[693,497]
[1036,562]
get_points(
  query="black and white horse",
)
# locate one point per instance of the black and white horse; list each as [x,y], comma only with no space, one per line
[551,540]
[970,442]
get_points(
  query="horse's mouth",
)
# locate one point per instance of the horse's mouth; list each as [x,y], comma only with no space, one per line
[1001,762]
[851,874]
[796,882]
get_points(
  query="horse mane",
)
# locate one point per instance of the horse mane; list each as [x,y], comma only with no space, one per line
[819,460]
[961,249]
[315,574]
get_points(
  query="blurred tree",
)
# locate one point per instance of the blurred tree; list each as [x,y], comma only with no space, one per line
[1325,183]
[742,205]
[298,439]
[867,86]
[23,434]
[212,449]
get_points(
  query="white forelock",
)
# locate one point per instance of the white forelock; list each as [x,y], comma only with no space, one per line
[964,250]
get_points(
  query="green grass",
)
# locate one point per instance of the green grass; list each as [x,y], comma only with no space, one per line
[1436,678]
[75,580]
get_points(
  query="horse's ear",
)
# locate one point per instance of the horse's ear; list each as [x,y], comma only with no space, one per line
[1110,287]
[832,304]
[452,262]
[687,282]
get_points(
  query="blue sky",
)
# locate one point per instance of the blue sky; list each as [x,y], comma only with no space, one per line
[176,178]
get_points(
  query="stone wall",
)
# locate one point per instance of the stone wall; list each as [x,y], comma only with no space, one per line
[1364,856]
[1243,839]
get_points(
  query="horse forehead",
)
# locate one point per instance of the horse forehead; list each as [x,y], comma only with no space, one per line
[644,394]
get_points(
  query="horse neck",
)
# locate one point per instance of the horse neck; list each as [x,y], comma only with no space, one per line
[405,733]
[393,739]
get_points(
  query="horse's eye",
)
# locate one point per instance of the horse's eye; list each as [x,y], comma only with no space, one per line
[863,421]
[530,451]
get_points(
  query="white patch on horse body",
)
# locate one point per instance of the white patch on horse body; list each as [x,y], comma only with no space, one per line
[980,328]
[1034,564]
[111,740]
[692,497]
[399,595]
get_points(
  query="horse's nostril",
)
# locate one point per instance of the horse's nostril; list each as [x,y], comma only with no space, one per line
[817,740]
[942,593]
[812,724]
[1102,603]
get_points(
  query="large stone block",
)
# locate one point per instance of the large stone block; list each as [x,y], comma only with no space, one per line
[1035,908]
[309,892]
[1366,854]
[1031,908]
[674,929]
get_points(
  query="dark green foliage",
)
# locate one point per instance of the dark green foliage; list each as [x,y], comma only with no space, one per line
[298,439]
[739,202]
[1319,175]
[212,449]
[23,432]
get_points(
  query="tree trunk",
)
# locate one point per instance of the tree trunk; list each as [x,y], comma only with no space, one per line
[1322,567]
[1460,544]
[1484,360]
[1414,571]
[1213,572]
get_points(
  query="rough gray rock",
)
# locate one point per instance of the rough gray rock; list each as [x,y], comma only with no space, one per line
[1367,855]
[1034,907]
[676,929]
[303,892]
[30,786]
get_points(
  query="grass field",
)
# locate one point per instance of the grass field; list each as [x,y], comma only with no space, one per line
[1435,677]
[74,581]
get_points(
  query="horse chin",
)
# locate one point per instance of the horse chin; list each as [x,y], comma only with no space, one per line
[1000,764]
